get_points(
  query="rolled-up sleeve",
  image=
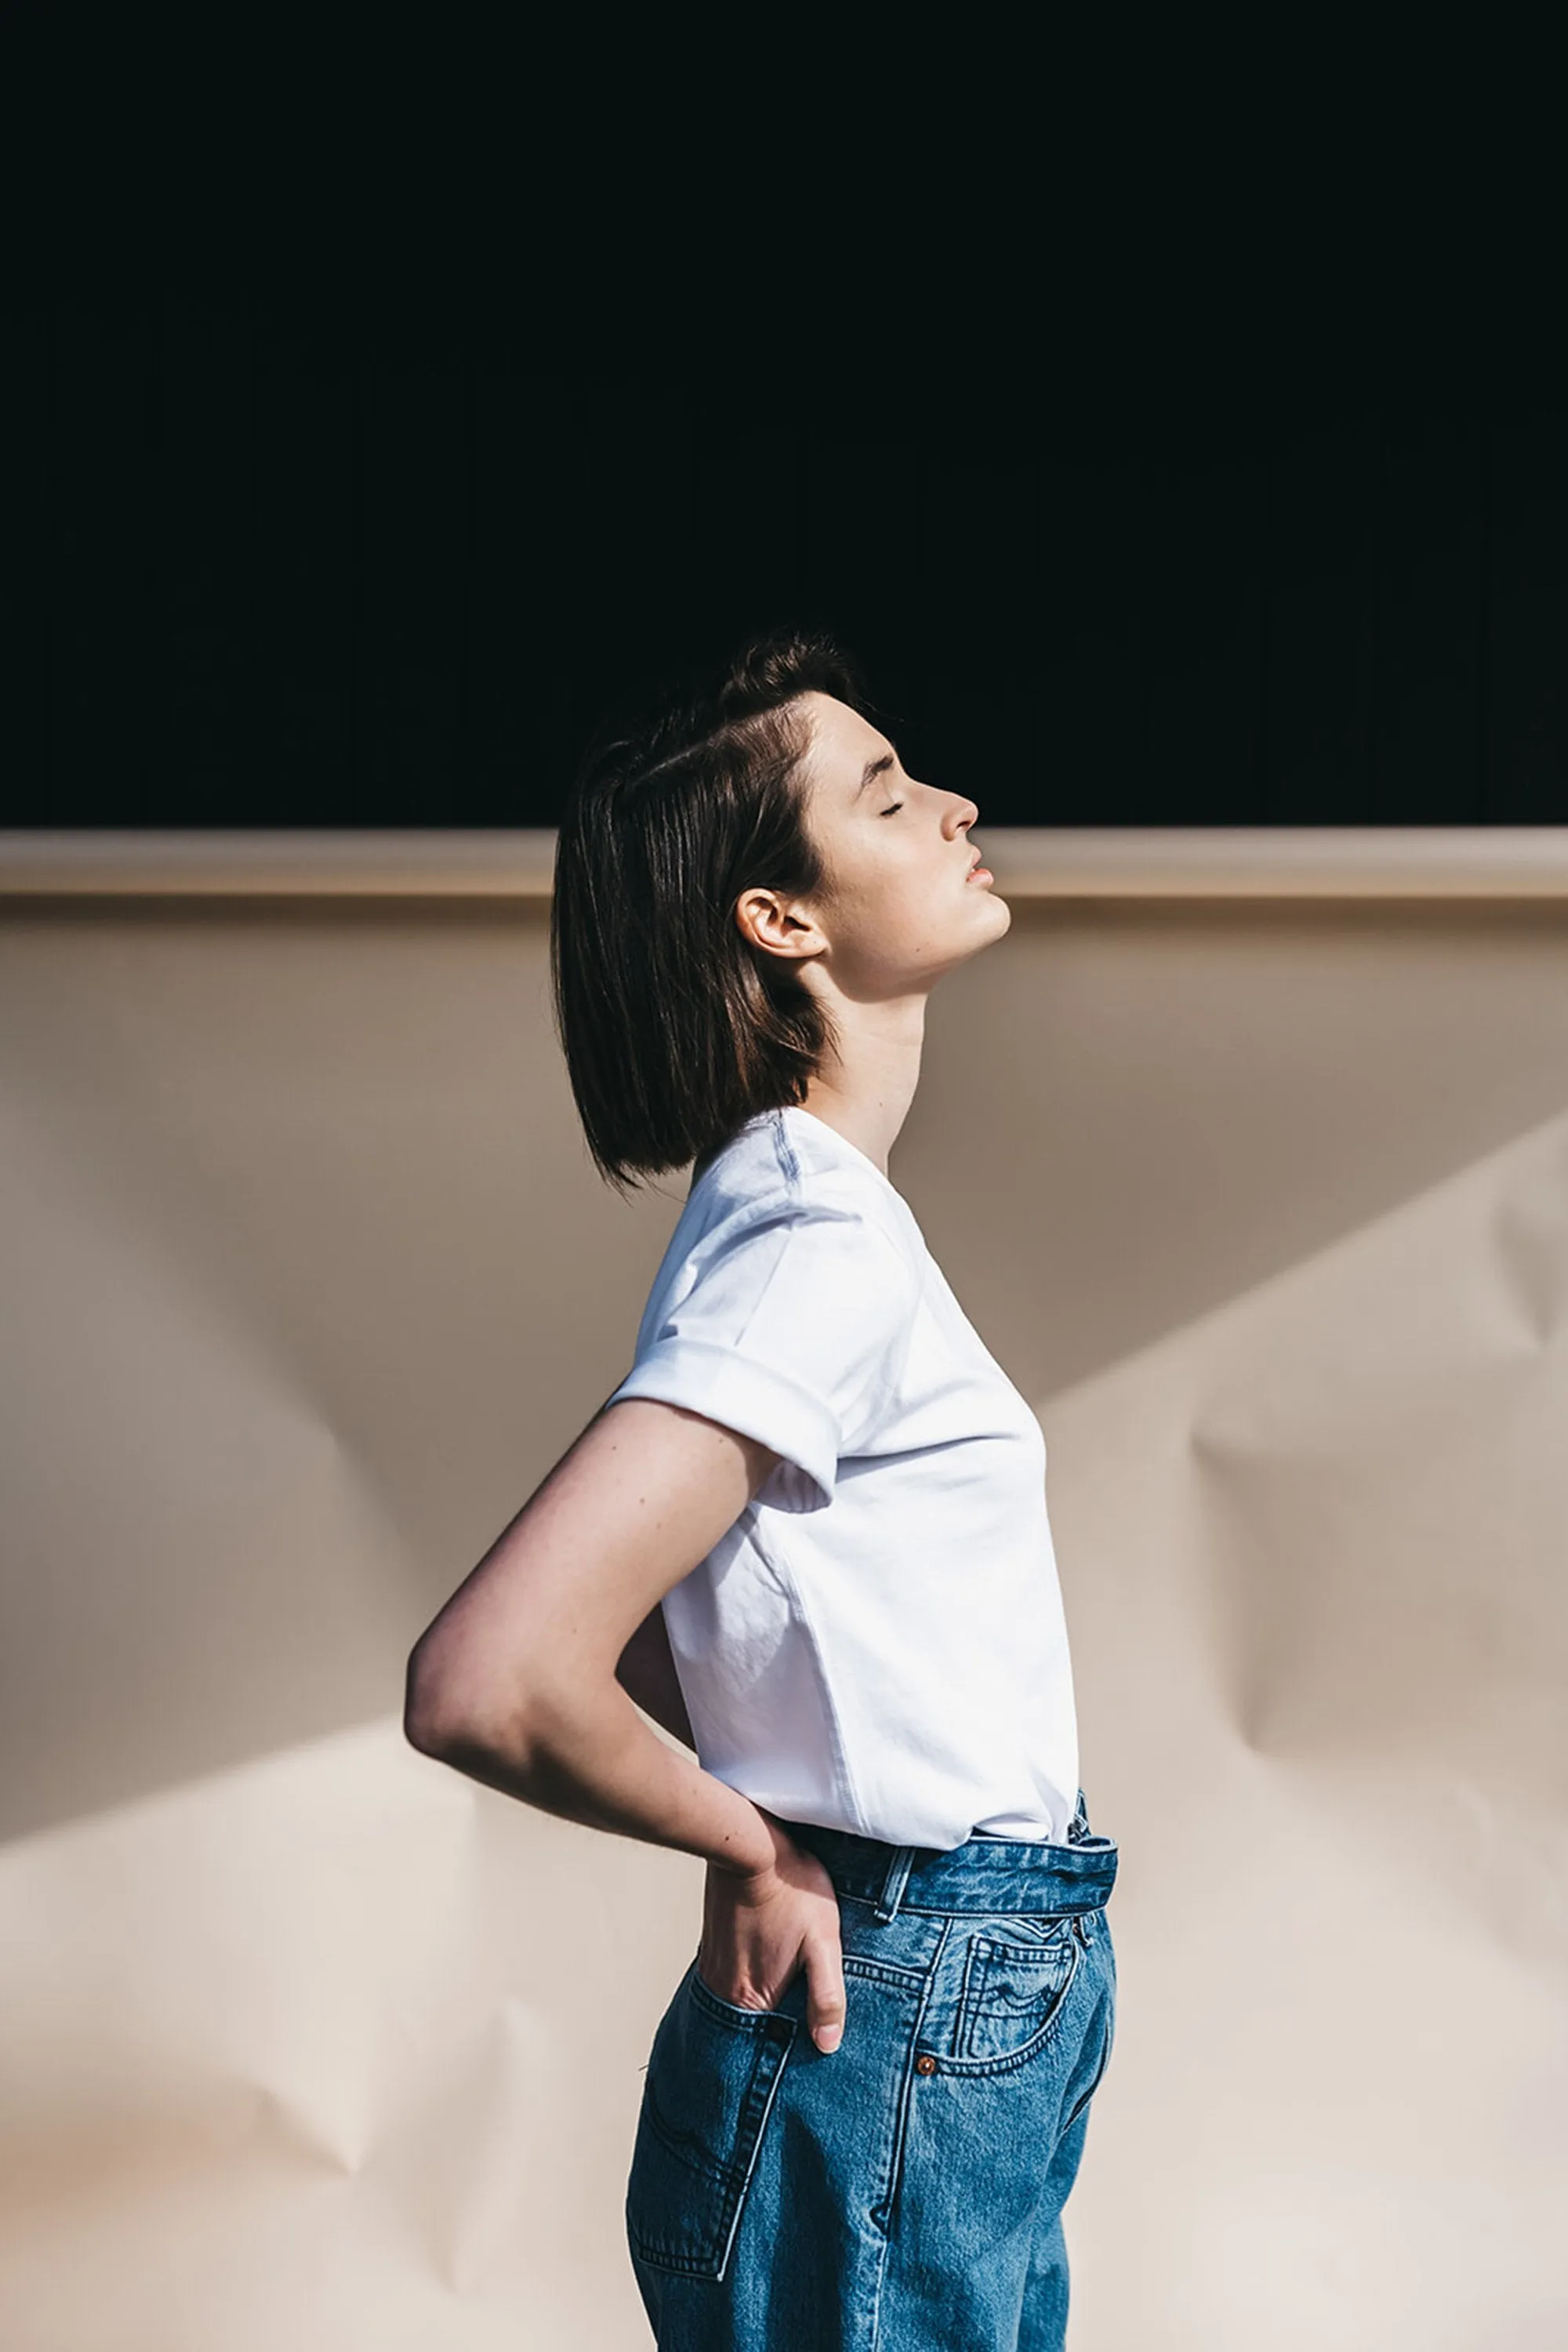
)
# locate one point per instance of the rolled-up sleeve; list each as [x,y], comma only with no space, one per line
[792,1331]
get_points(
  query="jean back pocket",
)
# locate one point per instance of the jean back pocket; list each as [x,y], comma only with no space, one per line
[711,2077]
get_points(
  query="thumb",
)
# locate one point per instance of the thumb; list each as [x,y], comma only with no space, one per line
[825,2006]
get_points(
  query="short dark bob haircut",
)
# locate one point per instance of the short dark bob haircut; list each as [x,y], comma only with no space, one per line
[676,1030]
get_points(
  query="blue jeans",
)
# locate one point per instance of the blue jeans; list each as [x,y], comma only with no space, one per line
[903,2192]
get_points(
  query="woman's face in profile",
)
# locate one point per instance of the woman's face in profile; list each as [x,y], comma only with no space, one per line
[901,908]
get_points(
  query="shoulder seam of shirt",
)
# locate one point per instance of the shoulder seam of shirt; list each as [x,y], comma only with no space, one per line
[784,1150]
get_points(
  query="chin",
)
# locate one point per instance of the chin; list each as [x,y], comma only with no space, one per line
[984,935]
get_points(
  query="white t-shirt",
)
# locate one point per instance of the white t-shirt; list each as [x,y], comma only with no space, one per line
[877,1643]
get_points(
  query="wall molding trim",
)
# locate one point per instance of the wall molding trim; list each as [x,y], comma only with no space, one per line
[1502,862]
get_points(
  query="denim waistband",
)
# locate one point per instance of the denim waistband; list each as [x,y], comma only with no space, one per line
[984,1873]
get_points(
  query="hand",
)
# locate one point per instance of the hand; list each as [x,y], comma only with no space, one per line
[760,1926]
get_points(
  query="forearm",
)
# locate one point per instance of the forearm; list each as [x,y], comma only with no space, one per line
[587,1756]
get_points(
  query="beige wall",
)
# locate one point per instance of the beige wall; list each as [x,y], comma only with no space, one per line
[1248,1156]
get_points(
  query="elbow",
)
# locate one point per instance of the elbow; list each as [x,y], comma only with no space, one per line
[452,1713]
[427,1731]
[438,1715]
[425,1724]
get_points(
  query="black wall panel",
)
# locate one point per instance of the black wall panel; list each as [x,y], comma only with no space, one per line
[275,563]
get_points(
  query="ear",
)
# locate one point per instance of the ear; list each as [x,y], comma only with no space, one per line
[778,926]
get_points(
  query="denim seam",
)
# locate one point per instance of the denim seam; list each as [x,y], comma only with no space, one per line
[887,2204]
[885,1971]
[1099,2077]
[989,1910]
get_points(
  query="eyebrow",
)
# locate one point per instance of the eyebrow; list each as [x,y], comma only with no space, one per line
[874,768]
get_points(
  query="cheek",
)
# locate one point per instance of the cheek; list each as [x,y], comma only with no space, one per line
[887,921]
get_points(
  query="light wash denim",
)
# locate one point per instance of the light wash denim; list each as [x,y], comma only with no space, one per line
[903,2192]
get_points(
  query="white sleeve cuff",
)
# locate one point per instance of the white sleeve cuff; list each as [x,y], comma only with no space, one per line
[756,1399]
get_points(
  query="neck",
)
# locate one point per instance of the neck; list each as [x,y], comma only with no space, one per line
[867,1089]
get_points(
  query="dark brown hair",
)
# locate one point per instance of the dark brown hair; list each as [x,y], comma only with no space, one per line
[674,1028]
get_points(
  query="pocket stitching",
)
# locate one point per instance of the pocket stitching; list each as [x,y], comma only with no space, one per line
[1055,1925]
[735,2011]
[729,2178]
[982,1950]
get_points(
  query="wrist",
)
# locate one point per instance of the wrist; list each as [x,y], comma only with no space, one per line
[755,1859]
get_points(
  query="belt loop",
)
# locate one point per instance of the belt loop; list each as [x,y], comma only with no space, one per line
[893,1885]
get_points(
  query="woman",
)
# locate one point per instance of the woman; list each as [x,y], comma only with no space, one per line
[807,1534]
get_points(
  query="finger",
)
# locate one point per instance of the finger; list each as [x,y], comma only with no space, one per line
[825,2006]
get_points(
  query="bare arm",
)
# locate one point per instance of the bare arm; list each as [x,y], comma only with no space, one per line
[523,1680]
